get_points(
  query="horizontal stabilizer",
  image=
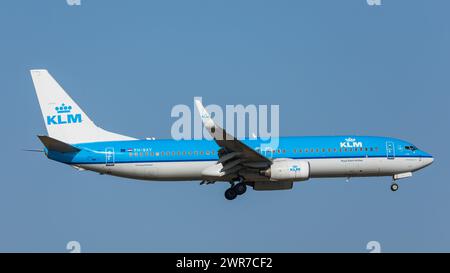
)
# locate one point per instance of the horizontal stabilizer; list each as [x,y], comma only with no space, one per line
[33,150]
[58,146]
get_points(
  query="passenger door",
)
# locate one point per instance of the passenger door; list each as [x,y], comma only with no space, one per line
[390,150]
[109,156]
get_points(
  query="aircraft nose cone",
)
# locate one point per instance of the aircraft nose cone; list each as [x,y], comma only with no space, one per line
[428,161]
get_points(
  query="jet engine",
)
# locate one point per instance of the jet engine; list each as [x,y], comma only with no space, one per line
[288,170]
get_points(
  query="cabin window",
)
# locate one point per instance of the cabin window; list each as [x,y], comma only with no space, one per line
[141,154]
[361,149]
[135,154]
[207,152]
[157,154]
[345,150]
[213,152]
[152,154]
[130,154]
[162,153]
[189,152]
[306,150]
[184,152]
[195,153]
[329,150]
[146,154]
[376,149]
[300,150]
[367,149]
[323,150]
[201,152]
[284,151]
[294,151]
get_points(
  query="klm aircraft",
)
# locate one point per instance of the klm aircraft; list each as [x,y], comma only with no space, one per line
[75,140]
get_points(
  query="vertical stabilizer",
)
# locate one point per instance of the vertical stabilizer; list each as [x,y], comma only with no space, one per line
[64,119]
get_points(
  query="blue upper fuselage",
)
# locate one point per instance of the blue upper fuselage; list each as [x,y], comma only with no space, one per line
[206,150]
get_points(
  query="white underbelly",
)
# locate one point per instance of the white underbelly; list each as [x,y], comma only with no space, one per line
[164,171]
[323,167]
[343,167]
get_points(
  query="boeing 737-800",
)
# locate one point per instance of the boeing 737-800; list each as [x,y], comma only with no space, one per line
[75,140]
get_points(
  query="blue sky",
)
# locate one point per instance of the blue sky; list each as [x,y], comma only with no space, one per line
[334,67]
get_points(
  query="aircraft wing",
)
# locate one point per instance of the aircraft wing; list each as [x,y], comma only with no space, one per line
[235,155]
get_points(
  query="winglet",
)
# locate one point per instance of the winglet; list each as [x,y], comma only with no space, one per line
[206,118]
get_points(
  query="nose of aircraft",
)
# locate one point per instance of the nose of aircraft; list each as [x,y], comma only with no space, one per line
[427,161]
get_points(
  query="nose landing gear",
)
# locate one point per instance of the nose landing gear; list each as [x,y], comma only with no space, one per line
[394,186]
[395,177]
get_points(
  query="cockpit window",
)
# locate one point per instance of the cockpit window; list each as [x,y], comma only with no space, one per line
[411,148]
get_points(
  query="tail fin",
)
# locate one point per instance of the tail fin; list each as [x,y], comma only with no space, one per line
[64,119]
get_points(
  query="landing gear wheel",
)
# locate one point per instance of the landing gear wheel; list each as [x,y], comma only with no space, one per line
[394,187]
[240,188]
[230,194]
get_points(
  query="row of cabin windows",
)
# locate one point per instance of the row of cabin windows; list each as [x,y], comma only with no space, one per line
[323,150]
[179,153]
[279,151]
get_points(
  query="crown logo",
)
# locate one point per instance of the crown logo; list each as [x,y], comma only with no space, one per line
[63,109]
[350,139]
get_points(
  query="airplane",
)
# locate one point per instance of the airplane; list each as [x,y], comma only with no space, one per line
[75,140]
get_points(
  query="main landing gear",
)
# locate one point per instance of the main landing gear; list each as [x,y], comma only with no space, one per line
[235,190]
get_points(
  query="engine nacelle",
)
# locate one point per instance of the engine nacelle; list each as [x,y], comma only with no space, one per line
[288,170]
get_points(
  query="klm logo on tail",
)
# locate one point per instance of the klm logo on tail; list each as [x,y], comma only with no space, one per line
[63,116]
